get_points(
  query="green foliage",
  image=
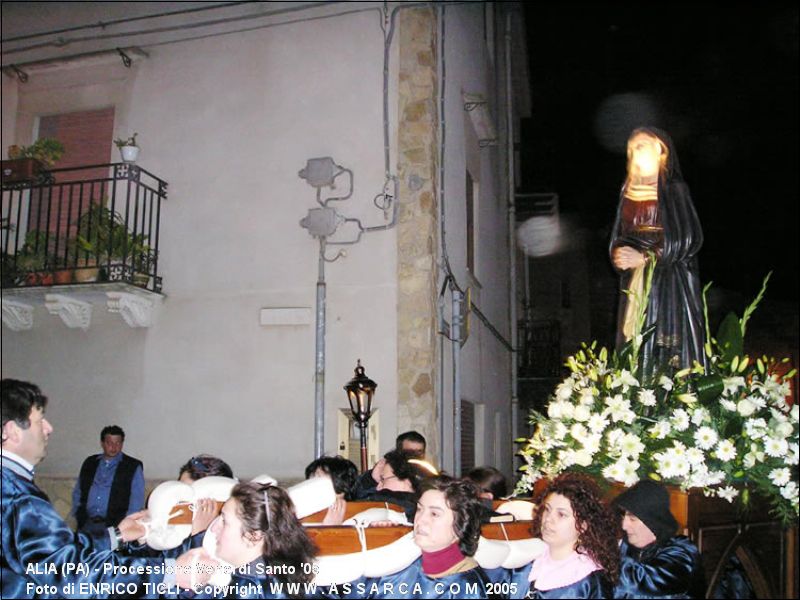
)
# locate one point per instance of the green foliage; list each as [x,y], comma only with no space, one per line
[729,338]
[102,235]
[47,150]
[34,254]
[725,427]
[122,142]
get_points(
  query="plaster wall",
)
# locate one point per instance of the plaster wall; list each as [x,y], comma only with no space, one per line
[484,361]
[228,121]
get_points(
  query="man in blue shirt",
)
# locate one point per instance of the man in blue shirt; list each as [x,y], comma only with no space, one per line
[40,556]
[109,487]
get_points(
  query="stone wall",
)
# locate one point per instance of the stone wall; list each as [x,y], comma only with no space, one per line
[59,490]
[417,232]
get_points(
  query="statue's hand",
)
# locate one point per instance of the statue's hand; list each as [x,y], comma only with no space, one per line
[625,258]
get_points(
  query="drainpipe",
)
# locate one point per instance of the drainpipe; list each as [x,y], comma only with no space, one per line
[319,372]
[512,246]
[455,332]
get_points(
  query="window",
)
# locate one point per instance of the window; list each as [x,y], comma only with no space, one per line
[467,436]
[86,136]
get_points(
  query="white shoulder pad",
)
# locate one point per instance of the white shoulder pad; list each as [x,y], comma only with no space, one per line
[160,535]
[522,552]
[391,558]
[388,559]
[491,553]
[312,495]
[164,497]
[365,517]
[522,510]
[214,487]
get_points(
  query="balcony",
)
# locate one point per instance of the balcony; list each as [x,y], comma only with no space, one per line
[71,234]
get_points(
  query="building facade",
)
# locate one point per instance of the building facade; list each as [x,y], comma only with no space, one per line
[410,102]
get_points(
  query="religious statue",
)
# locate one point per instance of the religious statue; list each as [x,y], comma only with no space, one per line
[656,220]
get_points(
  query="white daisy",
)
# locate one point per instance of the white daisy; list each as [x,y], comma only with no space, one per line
[591,443]
[578,432]
[597,423]
[726,450]
[780,476]
[581,413]
[680,420]
[661,429]
[631,445]
[705,438]
[696,457]
[789,491]
[775,447]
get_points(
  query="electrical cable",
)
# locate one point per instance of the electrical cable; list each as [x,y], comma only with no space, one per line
[450,276]
[61,42]
[104,24]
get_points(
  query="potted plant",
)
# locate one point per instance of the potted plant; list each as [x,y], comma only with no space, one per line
[26,162]
[10,274]
[128,148]
[143,263]
[132,250]
[104,240]
[94,243]
[33,259]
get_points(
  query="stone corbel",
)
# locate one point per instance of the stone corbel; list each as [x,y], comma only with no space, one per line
[76,314]
[17,316]
[135,310]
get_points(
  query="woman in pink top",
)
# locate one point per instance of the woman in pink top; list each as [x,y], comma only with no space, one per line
[581,533]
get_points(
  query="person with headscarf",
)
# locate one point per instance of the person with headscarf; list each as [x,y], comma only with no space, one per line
[655,562]
[656,221]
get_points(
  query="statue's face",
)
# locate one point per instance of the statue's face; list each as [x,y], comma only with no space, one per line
[645,155]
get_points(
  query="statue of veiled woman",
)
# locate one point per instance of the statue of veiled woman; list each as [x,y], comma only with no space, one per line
[656,215]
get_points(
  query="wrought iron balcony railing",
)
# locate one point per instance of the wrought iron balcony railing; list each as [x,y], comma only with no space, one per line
[81,225]
[539,344]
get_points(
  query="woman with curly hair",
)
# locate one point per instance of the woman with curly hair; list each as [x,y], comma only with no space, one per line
[258,535]
[582,558]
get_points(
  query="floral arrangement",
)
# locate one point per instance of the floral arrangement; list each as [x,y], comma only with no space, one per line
[726,427]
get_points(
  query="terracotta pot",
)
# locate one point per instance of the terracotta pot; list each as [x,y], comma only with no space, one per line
[39,278]
[21,169]
[87,275]
[63,276]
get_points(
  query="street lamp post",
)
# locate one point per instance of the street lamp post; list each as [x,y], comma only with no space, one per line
[360,390]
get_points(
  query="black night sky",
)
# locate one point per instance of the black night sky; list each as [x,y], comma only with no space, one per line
[720,79]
